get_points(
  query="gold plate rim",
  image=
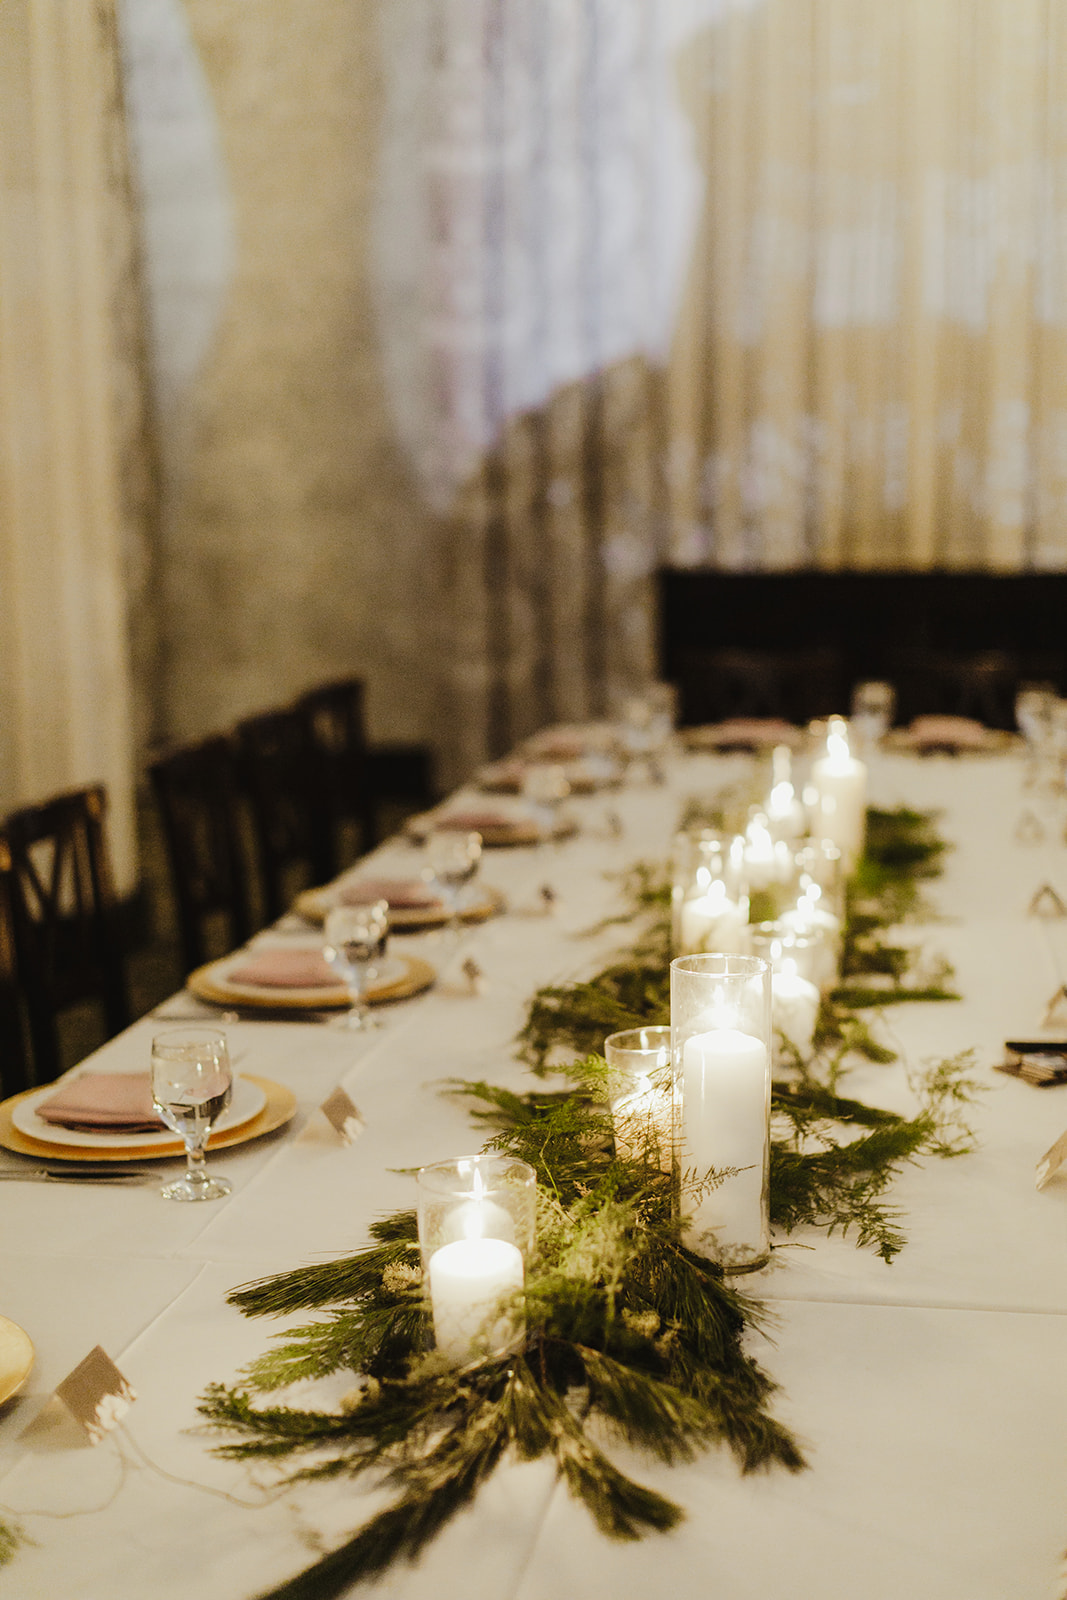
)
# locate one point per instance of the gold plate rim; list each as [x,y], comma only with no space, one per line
[12,1379]
[201,983]
[312,905]
[278,1110]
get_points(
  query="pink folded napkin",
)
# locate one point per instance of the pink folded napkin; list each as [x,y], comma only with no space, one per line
[118,1100]
[506,777]
[753,731]
[958,733]
[559,746]
[285,969]
[474,821]
[401,894]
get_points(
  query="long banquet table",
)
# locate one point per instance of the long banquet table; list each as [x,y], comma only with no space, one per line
[930,1395]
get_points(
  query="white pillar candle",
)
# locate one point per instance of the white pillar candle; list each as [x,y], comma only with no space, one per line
[841,782]
[469,1279]
[725,1123]
[794,1008]
[813,921]
[713,922]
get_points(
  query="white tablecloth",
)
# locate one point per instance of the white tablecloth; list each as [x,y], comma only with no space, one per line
[929,1395]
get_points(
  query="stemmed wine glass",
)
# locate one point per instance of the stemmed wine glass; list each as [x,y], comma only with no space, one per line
[454,858]
[354,938]
[545,787]
[192,1082]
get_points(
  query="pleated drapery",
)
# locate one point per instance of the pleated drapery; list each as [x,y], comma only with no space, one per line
[755,284]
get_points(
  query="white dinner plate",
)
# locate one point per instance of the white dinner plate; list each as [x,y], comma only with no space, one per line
[16,1358]
[248,1101]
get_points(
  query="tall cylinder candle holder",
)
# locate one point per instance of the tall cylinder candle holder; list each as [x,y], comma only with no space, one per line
[721,1037]
[709,894]
[640,1094]
[795,998]
[841,783]
[477,1220]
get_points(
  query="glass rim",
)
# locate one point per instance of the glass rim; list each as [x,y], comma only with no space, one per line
[720,965]
[448,1180]
[190,1033]
[614,1039]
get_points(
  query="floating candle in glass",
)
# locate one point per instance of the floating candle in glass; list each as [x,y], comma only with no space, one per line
[640,1094]
[476,1219]
[721,1059]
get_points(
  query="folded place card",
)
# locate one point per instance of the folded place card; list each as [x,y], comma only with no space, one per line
[96,1394]
[343,1115]
[1046,903]
[474,975]
[1039,1062]
[1056,1015]
[1052,1161]
[1029,829]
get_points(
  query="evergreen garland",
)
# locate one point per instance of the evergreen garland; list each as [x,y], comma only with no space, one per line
[624,1324]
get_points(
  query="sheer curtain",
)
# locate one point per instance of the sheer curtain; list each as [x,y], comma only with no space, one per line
[71,495]
[740,283]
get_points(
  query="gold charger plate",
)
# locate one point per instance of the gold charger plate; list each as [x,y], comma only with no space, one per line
[279,1108]
[313,904]
[501,837]
[997,742]
[206,985]
[16,1358]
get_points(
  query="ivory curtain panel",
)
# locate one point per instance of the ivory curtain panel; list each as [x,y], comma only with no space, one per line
[749,284]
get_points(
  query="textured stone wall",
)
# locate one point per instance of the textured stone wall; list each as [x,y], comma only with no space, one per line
[293,546]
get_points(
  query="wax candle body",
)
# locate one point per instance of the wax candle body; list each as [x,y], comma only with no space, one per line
[841,782]
[794,1008]
[713,922]
[725,1123]
[468,1280]
[813,922]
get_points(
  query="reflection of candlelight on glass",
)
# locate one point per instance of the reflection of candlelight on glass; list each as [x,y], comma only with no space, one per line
[785,814]
[767,860]
[810,918]
[841,782]
[472,1229]
[640,1094]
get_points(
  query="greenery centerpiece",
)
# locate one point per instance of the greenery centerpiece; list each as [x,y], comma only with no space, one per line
[628,1333]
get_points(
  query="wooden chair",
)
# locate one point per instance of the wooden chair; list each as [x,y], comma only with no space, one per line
[199,800]
[14,1056]
[66,937]
[336,736]
[290,817]
[795,685]
[980,684]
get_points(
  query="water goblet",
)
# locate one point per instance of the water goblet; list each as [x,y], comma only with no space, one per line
[354,938]
[873,705]
[192,1082]
[454,856]
[544,788]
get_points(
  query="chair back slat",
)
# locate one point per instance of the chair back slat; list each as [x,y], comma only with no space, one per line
[14,1055]
[290,820]
[66,935]
[200,809]
[336,735]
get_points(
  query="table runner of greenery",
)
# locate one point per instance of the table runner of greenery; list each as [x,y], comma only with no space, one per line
[628,1333]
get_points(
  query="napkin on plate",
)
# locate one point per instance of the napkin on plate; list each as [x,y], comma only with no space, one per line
[285,969]
[401,894]
[473,821]
[948,733]
[750,733]
[120,1101]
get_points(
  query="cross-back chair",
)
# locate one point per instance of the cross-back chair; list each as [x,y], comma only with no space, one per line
[14,1057]
[65,919]
[290,820]
[198,795]
[336,733]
